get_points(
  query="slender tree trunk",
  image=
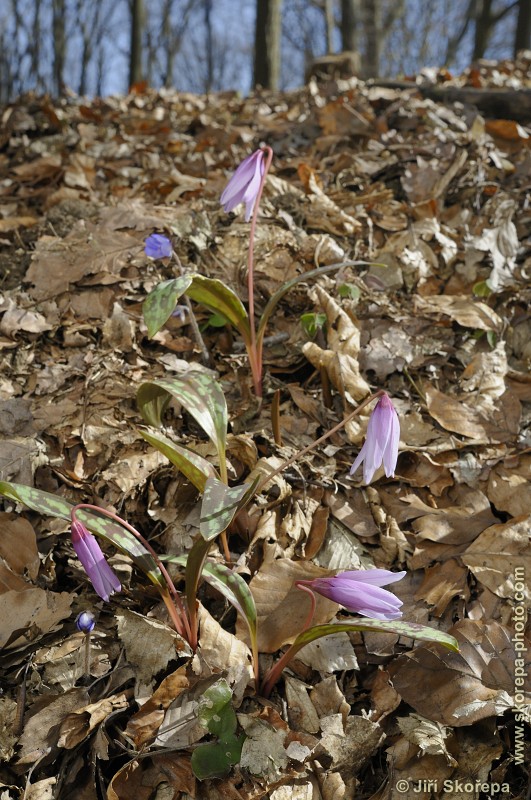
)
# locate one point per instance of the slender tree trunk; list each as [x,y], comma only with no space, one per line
[350,24]
[372,18]
[522,39]
[135,52]
[207,7]
[483,28]
[59,44]
[329,24]
[267,43]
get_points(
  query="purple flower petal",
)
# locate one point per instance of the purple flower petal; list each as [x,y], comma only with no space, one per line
[244,185]
[381,442]
[360,591]
[90,554]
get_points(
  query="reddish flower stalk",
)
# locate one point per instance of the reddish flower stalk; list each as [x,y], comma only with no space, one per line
[246,186]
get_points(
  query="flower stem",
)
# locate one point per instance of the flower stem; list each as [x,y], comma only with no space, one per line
[255,359]
[271,677]
[192,318]
[181,620]
[317,442]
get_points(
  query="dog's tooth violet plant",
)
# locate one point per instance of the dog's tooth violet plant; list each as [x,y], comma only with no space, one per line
[245,186]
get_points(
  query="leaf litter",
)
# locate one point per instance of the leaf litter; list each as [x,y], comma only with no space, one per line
[437,197]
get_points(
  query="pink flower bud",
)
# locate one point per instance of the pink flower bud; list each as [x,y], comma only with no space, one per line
[381,443]
[89,553]
[244,185]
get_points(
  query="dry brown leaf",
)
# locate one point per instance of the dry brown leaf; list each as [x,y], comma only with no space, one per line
[499,554]
[143,779]
[221,652]
[41,731]
[442,583]
[26,616]
[454,415]
[461,688]
[509,487]
[462,309]
[18,545]
[165,645]
[80,723]
[143,726]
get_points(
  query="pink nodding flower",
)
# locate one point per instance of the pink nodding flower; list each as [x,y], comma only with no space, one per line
[244,185]
[360,591]
[89,553]
[381,443]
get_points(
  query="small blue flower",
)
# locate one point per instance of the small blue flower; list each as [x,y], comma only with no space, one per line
[158,246]
[85,622]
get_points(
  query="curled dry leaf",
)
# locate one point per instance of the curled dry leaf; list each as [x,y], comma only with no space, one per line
[461,688]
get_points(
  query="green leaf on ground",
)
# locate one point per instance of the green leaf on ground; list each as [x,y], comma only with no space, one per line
[196,468]
[198,393]
[160,303]
[220,505]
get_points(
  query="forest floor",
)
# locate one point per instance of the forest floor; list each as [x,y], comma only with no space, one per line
[436,196]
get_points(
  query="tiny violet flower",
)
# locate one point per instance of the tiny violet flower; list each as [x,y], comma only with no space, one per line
[86,622]
[381,443]
[359,591]
[89,553]
[158,246]
[244,185]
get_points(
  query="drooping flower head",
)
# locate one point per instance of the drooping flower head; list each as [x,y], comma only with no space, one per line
[89,552]
[86,622]
[244,185]
[158,246]
[381,443]
[359,591]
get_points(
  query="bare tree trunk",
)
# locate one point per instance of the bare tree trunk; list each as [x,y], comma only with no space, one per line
[59,44]
[267,43]
[135,52]
[522,39]
[329,25]
[207,7]
[350,24]
[372,19]
[483,28]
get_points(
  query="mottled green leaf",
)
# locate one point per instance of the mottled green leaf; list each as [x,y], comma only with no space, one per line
[196,468]
[397,626]
[220,504]
[216,714]
[160,303]
[200,395]
[217,297]
[53,506]
[213,702]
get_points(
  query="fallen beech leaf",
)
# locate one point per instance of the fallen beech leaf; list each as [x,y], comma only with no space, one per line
[454,415]
[496,555]
[460,688]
